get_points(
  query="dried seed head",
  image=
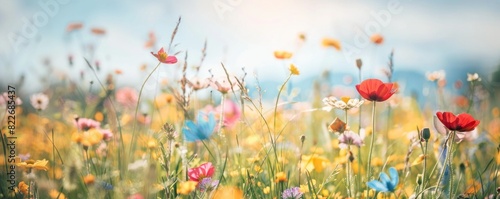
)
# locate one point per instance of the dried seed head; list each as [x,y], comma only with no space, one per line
[359,63]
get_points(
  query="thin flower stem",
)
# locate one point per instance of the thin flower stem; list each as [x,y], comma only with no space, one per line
[425,169]
[278,98]
[221,118]
[273,139]
[208,149]
[449,142]
[346,116]
[349,165]
[371,144]
[471,96]
[349,172]
[359,131]
[53,157]
[137,106]
[451,153]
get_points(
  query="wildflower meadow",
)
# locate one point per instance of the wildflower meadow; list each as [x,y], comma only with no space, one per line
[220,131]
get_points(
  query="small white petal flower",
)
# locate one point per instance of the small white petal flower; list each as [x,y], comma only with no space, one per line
[435,75]
[473,77]
[197,83]
[345,103]
[225,85]
[39,101]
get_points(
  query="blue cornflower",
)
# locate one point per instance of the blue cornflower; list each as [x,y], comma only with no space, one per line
[106,186]
[385,184]
[292,193]
[202,130]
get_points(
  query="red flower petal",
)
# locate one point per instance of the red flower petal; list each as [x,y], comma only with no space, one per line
[203,171]
[461,123]
[171,60]
[375,90]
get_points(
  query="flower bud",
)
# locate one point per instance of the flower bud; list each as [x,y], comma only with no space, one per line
[351,157]
[462,167]
[359,63]
[419,179]
[426,134]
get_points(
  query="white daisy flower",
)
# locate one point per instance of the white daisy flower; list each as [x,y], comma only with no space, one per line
[345,103]
[473,77]
[39,101]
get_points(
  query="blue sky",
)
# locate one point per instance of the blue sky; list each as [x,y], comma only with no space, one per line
[425,35]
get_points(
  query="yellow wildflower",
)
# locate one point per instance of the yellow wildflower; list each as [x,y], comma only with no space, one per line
[419,160]
[98,116]
[185,188]
[294,70]
[257,168]
[304,188]
[325,192]
[377,162]
[281,177]
[152,144]
[31,164]
[319,163]
[330,42]
[267,190]
[88,138]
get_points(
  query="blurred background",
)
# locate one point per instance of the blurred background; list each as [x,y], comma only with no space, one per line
[46,41]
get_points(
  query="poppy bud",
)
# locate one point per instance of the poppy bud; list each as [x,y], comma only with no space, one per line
[359,63]
[302,138]
[462,167]
[426,134]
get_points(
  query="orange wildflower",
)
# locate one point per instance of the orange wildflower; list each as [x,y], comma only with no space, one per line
[74,26]
[330,42]
[98,31]
[377,39]
[282,54]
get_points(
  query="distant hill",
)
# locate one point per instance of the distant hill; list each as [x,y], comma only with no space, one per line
[412,83]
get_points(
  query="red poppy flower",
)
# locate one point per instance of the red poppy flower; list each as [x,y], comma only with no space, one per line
[198,173]
[462,122]
[163,57]
[376,90]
